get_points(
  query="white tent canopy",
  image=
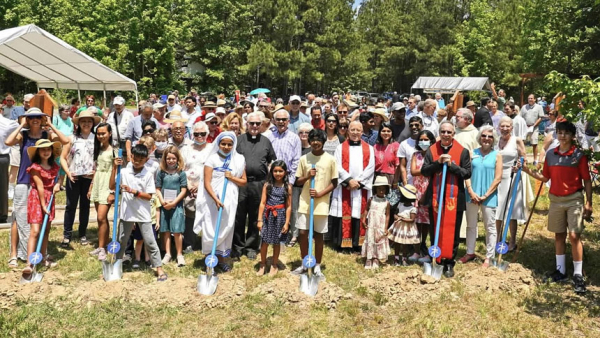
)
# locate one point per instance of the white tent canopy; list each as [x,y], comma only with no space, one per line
[52,63]
[431,84]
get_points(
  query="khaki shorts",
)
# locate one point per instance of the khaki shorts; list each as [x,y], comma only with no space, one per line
[15,155]
[533,136]
[566,212]
[320,223]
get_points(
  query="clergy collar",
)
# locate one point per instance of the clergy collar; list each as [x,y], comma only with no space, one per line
[251,138]
[446,147]
[354,143]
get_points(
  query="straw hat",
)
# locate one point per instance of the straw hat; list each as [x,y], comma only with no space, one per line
[381,112]
[409,191]
[43,143]
[175,115]
[221,102]
[86,113]
[381,181]
[209,104]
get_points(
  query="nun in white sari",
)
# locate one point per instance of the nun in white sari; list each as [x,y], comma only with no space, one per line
[223,162]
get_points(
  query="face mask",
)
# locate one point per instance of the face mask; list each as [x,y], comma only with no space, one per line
[424,145]
[160,146]
[199,143]
[222,153]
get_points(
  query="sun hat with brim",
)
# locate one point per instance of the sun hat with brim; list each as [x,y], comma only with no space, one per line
[209,104]
[409,191]
[470,103]
[33,112]
[43,143]
[86,113]
[175,115]
[381,112]
[381,181]
[211,116]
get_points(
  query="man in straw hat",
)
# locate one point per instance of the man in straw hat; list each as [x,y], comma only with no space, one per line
[356,166]
[134,128]
[447,151]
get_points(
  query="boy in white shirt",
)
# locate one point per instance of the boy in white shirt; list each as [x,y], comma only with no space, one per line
[137,188]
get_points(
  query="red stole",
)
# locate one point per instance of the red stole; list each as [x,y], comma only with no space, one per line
[347,199]
[448,223]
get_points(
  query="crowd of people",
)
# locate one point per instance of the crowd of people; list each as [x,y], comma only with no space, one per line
[373,169]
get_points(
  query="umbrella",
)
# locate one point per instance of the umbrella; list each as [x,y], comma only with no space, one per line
[259,90]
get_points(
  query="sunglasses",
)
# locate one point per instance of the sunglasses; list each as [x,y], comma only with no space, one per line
[281,119]
[295,102]
[446,132]
[214,122]
[200,134]
[342,112]
[487,136]
[261,106]
[34,117]
[148,131]
[331,121]
[256,124]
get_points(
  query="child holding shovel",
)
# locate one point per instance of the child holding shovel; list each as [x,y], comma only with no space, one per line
[566,166]
[137,187]
[43,172]
[276,208]
[322,167]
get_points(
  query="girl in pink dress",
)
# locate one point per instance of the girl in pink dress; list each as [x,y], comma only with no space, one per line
[43,172]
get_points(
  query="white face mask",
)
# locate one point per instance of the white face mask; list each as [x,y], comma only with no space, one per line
[424,145]
[160,146]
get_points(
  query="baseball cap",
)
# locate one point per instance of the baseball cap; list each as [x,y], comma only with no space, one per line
[294,98]
[158,105]
[119,100]
[398,106]
[171,97]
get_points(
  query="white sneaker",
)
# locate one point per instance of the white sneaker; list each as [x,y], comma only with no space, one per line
[180,261]
[299,271]
[11,191]
[166,259]
[95,252]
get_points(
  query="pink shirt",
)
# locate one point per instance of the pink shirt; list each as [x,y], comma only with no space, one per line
[386,160]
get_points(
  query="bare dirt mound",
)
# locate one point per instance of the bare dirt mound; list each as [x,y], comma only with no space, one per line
[174,292]
[286,288]
[395,287]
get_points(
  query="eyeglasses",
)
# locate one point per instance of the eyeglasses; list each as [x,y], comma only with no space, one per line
[343,127]
[487,136]
[147,131]
[295,102]
[200,134]
[214,122]
[281,119]
[446,132]
[256,124]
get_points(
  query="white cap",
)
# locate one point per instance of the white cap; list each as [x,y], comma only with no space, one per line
[295,98]
[119,100]
[220,110]
[210,116]
[398,106]
[158,105]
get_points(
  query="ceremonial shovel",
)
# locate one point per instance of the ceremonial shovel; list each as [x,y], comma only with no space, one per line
[527,224]
[309,283]
[502,247]
[434,269]
[113,270]
[36,257]
[207,284]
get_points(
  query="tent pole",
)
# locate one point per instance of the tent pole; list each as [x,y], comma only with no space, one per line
[78,93]
[104,94]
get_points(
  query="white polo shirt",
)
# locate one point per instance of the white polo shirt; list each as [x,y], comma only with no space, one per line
[135,209]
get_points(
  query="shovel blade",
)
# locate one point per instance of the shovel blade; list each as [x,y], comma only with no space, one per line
[207,284]
[112,271]
[494,262]
[309,285]
[437,271]
[427,269]
[503,266]
[35,277]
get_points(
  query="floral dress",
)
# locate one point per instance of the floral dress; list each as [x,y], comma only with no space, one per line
[405,232]
[376,244]
[421,182]
[274,217]
[35,215]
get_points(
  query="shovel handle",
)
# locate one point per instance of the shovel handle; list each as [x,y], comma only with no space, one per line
[117,193]
[515,190]
[218,228]
[311,217]
[527,224]
[442,190]
[38,247]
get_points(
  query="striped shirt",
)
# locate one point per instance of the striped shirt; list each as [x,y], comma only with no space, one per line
[288,148]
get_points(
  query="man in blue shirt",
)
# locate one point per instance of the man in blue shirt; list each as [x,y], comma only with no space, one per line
[18,111]
[369,135]
[296,118]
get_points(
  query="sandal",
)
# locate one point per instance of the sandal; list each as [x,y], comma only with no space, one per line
[261,270]
[274,270]
[28,270]
[486,263]
[13,263]
[225,267]
[292,242]
[65,243]
[163,277]
[467,258]
[49,262]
